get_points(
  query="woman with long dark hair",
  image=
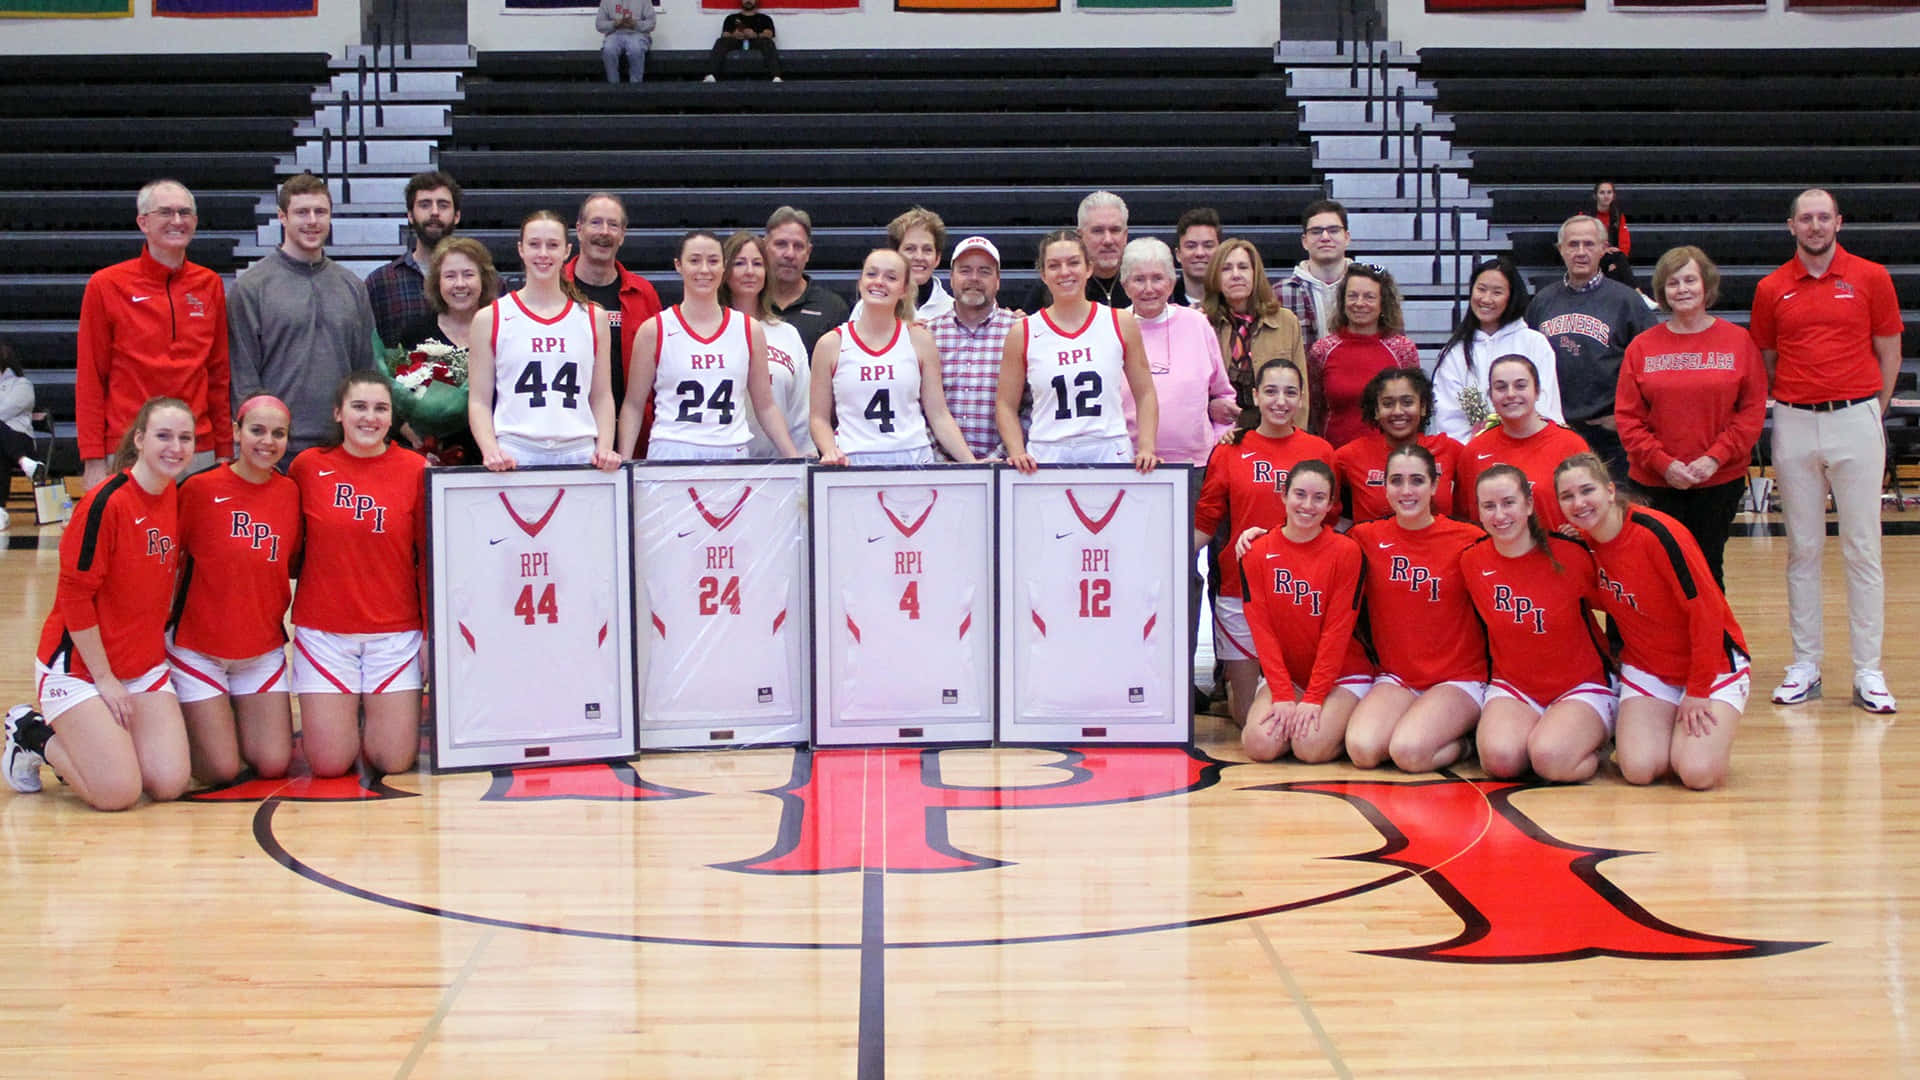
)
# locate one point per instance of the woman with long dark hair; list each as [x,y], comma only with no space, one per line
[1494,325]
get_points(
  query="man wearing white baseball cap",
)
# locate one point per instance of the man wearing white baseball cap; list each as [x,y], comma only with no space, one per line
[971,338]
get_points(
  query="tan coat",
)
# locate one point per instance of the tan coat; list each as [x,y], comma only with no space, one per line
[1276,335]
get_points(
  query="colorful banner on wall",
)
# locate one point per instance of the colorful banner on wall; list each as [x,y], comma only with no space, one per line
[1690,6]
[1852,5]
[976,5]
[1501,6]
[234,9]
[66,9]
[730,6]
[551,7]
[1155,5]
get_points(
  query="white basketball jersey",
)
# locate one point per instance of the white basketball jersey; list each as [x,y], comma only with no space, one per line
[717,592]
[876,394]
[1076,377]
[1096,633]
[912,614]
[527,602]
[543,371]
[791,374]
[700,386]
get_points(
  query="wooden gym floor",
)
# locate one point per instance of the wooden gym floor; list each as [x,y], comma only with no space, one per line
[991,912]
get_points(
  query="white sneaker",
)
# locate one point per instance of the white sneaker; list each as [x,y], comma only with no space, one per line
[21,764]
[1802,684]
[1870,692]
[709,79]
[777,78]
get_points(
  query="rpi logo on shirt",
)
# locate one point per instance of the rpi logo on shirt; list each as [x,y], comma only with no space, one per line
[363,506]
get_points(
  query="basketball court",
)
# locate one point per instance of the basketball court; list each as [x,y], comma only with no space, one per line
[1012,912]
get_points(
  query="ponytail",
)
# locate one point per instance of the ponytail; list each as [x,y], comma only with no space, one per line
[128,453]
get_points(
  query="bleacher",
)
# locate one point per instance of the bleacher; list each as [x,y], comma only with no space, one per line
[1003,144]
[78,135]
[1706,147]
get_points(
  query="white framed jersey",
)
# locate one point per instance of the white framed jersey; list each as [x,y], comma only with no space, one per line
[1075,377]
[531,575]
[722,558]
[700,384]
[1093,580]
[903,605]
[543,371]
[876,394]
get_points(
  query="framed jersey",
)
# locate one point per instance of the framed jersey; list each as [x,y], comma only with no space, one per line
[1093,599]
[903,610]
[532,576]
[720,555]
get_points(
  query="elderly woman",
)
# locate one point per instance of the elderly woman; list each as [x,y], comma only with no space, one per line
[1253,325]
[1690,403]
[1197,402]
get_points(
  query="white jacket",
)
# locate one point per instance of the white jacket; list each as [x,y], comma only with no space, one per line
[16,402]
[1450,377]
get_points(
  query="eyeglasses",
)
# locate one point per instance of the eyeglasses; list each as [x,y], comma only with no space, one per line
[181,213]
[1326,230]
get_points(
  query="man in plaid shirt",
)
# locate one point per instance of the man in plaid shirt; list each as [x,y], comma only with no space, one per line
[1309,291]
[398,290]
[971,339]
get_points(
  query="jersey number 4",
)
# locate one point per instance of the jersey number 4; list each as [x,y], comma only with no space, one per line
[694,399]
[566,383]
[1084,403]
[880,410]
[527,607]
[714,596]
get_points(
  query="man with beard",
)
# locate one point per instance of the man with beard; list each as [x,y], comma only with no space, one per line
[398,290]
[971,338]
[630,300]
[1103,228]
[1828,326]
[798,299]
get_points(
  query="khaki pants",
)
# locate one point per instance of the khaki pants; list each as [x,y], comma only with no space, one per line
[1844,452]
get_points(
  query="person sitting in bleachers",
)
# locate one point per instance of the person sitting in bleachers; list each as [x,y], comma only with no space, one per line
[746,29]
[16,420]
[1606,207]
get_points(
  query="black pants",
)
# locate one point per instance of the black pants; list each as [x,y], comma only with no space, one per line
[1606,443]
[1707,512]
[722,47]
[14,445]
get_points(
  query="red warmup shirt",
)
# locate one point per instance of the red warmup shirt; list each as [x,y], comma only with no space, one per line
[1673,620]
[1362,465]
[1424,628]
[239,540]
[1537,455]
[149,331]
[1540,625]
[1302,603]
[366,535]
[1243,489]
[1339,367]
[1684,395]
[117,563]
[1823,327]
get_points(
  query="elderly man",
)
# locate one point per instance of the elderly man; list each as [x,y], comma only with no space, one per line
[808,305]
[1589,318]
[972,338]
[1195,236]
[599,229]
[299,321]
[1103,228]
[155,325]
[398,290]
[1308,292]
[1828,326]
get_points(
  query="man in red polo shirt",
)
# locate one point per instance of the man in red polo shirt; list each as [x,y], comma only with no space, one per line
[1828,326]
[153,326]
[630,299]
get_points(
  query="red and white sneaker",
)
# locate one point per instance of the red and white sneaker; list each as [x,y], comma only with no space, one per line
[1870,692]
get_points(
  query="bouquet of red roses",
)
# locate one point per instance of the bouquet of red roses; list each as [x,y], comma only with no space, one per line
[430,387]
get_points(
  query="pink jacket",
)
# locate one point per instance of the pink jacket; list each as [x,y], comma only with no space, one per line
[1184,354]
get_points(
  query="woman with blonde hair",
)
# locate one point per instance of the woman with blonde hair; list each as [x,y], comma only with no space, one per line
[744,289]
